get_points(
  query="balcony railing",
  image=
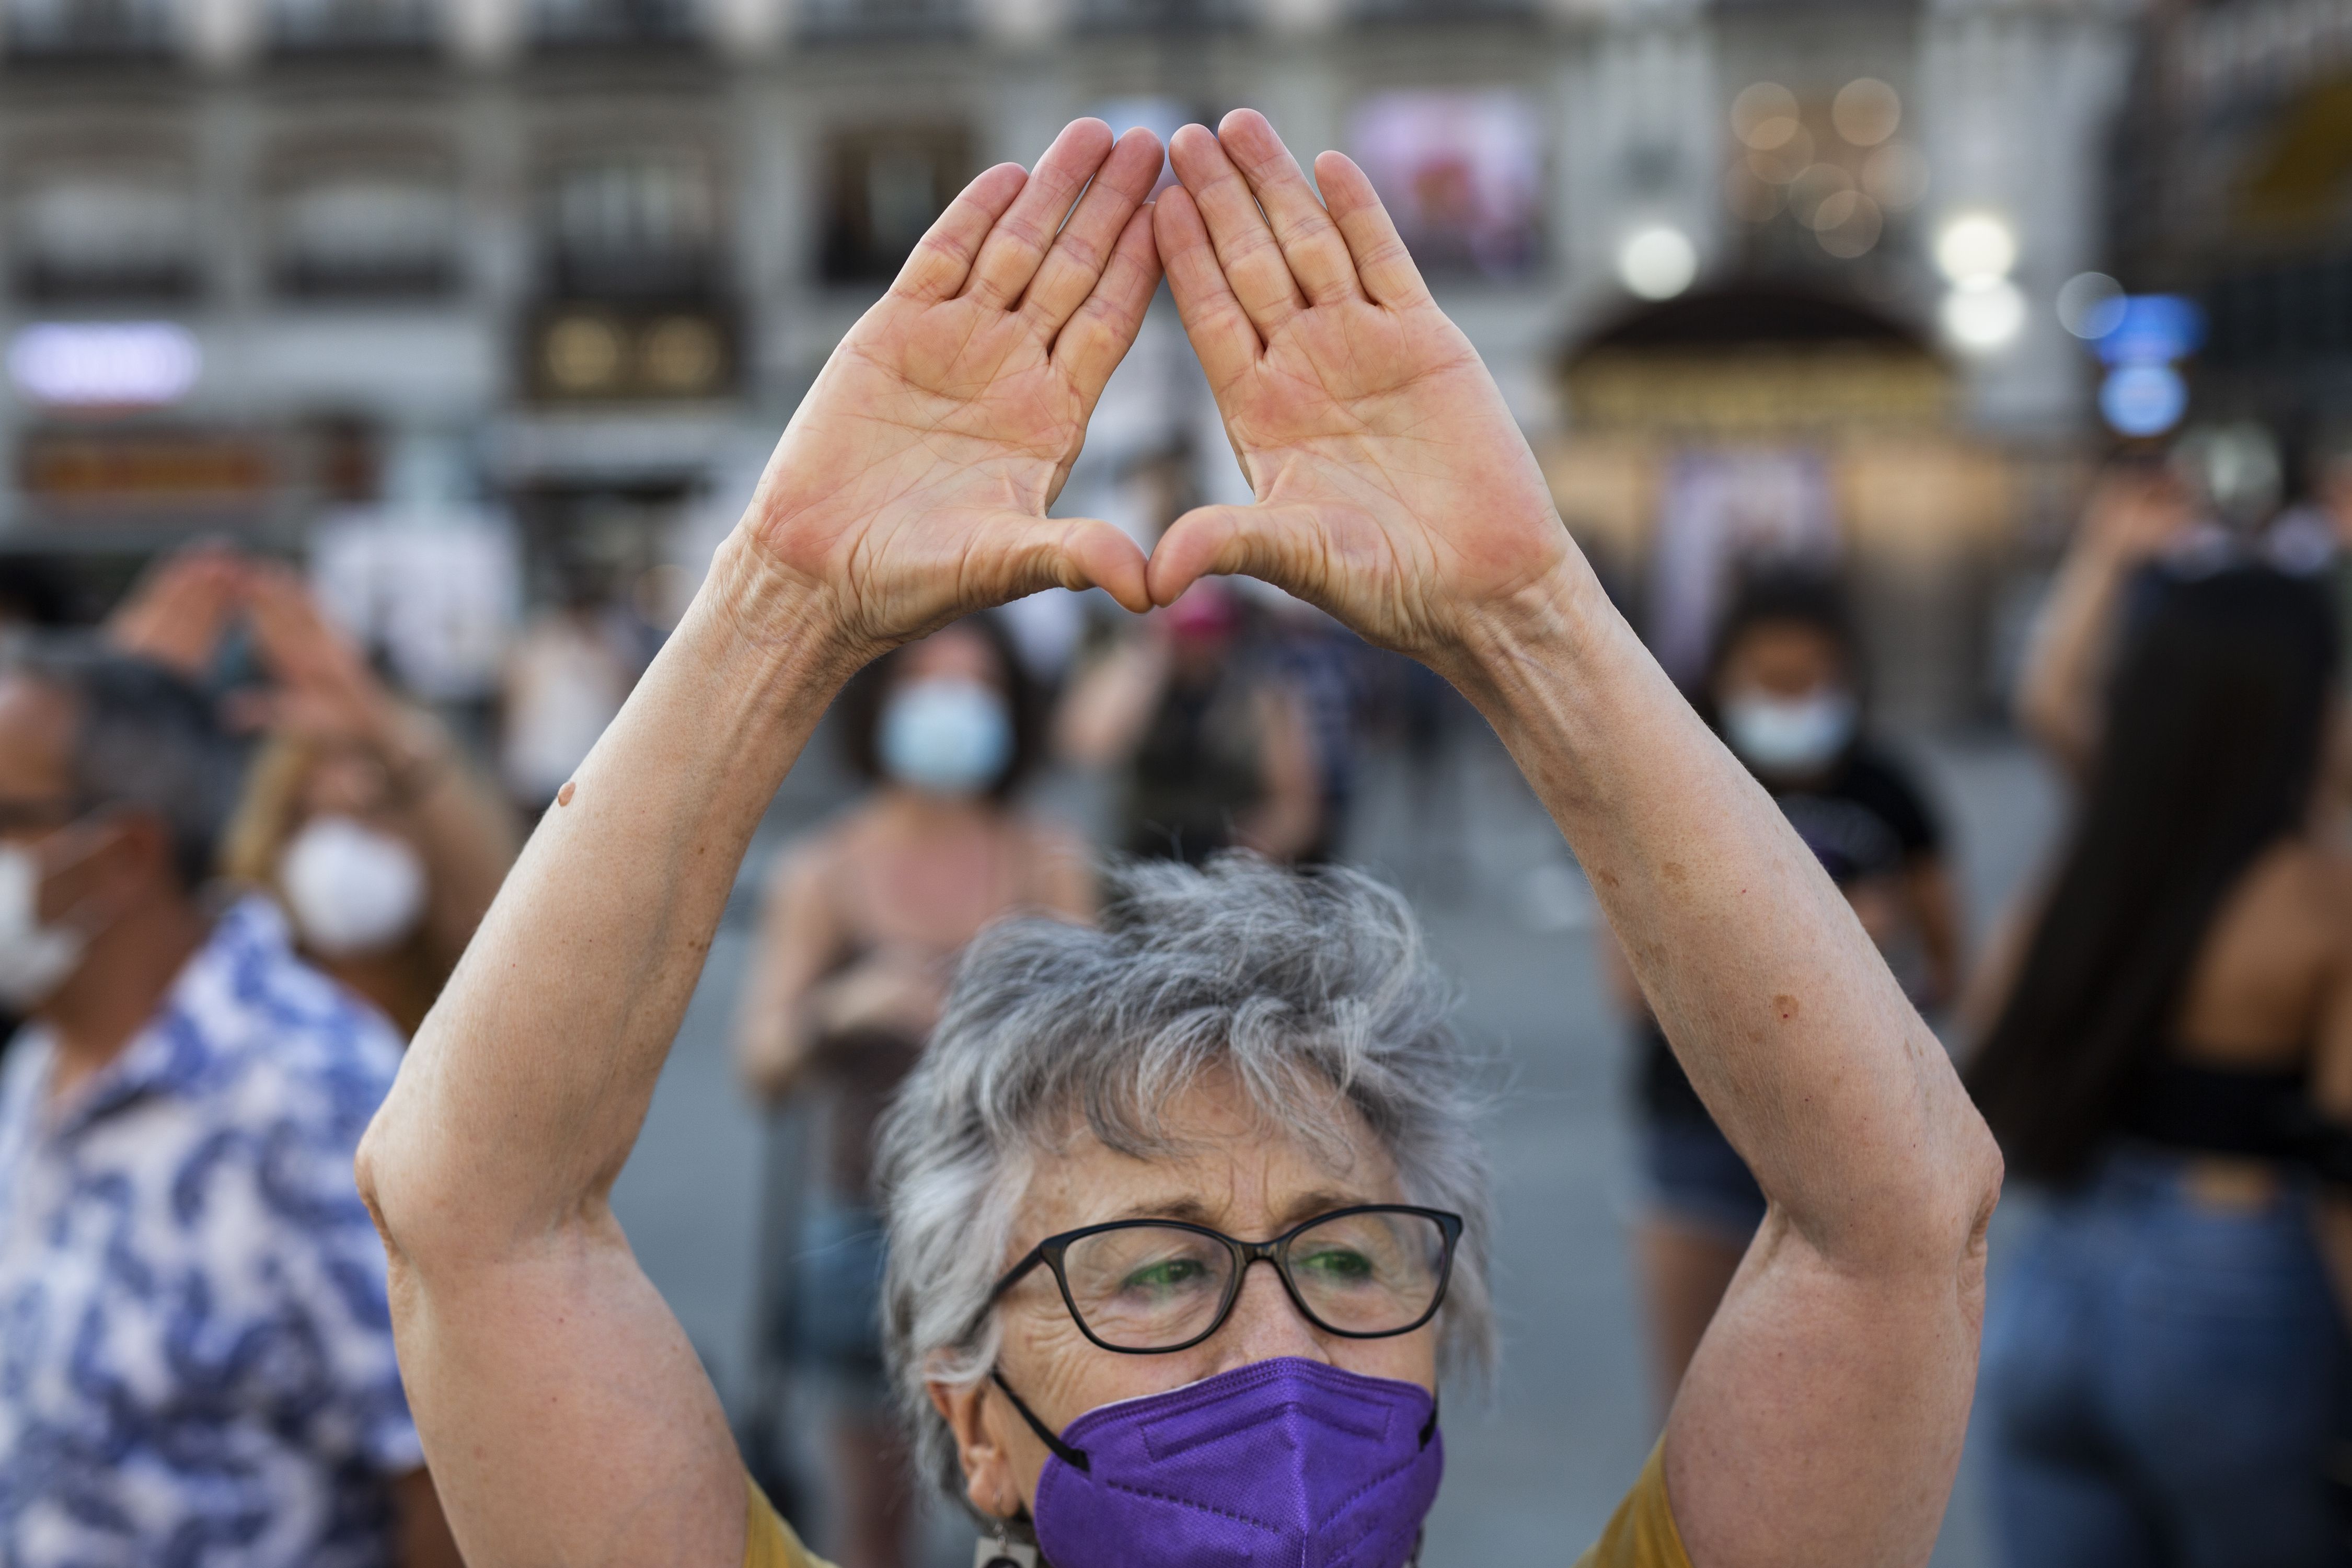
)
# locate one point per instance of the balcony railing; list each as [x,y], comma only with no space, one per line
[1442,11]
[144,280]
[635,273]
[99,31]
[1158,15]
[374,27]
[851,20]
[560,26]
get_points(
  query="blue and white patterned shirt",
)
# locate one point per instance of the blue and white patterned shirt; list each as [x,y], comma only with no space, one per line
[196,1350]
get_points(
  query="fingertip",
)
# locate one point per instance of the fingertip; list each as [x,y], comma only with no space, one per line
[1243,120]
[1336,168]
[1191,141]
[997,185]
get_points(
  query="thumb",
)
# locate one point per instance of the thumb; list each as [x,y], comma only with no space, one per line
[1080,553]
[1272,543]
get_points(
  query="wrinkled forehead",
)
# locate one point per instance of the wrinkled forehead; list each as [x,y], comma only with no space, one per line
[1220,1159]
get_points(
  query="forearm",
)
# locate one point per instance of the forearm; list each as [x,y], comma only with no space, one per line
[772,1043]
[527,1086]
[1786,1017]
[2055,699]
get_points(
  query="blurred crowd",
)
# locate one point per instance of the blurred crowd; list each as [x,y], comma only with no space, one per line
[237,865]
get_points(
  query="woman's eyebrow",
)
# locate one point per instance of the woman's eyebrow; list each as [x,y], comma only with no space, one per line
[1323,1200]
[1190,1210]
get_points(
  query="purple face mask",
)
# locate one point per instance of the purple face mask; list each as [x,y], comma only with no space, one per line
[1280,1464]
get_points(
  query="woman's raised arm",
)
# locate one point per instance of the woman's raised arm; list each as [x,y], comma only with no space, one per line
[565,1414]
[1821,1420]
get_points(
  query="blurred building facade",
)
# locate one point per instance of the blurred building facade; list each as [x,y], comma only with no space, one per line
[270,259]
[2232,185]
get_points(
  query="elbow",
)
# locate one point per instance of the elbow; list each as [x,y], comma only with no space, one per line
[1926,1218]
[376,1169]
[1953,1210]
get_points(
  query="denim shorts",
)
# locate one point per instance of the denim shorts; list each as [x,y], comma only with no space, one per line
[837,1292]
[1696,1178]
[2165,1376]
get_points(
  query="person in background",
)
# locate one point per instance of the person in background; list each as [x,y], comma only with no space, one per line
[569,673]
[862,928]
[33,594]
[197,1364]
[1325,666]
[2170,1060]
[1785,690]
[31,597]
[1213,746]
[361,815]
[2139,512]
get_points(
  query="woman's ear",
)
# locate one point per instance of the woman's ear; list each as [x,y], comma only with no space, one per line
[987,1469]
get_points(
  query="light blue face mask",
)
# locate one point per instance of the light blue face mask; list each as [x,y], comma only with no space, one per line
[1791,737]
[946,736]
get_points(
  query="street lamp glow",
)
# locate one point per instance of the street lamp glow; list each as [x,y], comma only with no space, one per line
[1975,246]
[1983,314]
[1658,262]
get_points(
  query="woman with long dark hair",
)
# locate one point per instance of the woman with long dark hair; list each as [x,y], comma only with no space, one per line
[2164,1369]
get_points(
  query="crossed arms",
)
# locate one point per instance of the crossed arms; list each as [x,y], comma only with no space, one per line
[564,1413]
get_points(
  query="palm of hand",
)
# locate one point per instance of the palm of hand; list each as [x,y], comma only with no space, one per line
[1407,492]
[932,422]
[913,484]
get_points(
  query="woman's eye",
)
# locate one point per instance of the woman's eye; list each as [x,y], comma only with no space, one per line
[1337,1264]
[1170,1274]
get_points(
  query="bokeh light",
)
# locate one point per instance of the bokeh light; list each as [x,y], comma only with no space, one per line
[2090,304]
[1866,111]
[1976,245]
[105,364]
[2143,400]
[1657,262]
[1765,117]
[1896,175]
[1983,313]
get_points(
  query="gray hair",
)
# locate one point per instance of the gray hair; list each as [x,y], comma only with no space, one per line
[144,739]
[1298,984]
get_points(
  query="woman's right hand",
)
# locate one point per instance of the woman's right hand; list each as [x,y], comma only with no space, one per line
[912,487]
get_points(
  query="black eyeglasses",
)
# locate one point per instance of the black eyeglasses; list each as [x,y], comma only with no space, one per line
[1148,1286]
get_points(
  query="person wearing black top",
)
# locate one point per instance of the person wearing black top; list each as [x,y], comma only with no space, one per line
[1784,691]
[2167,1367]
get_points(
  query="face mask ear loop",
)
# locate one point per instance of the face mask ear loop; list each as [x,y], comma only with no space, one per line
[1073,1457]
[1428,1430]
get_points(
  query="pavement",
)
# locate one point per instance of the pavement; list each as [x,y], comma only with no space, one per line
[1536,1461]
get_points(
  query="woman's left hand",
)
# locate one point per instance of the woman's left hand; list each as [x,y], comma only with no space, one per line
[1394,488]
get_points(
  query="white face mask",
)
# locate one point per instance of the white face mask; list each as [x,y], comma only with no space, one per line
[350,888]
[35,959]
[1791,735]
[948,736]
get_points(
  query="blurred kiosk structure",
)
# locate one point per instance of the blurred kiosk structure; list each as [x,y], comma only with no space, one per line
[600,246]
[1776,426]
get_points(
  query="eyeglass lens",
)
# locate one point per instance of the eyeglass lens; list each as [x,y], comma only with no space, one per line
[1152,1286]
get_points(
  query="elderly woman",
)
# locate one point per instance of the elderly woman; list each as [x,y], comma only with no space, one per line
[1113,1132]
